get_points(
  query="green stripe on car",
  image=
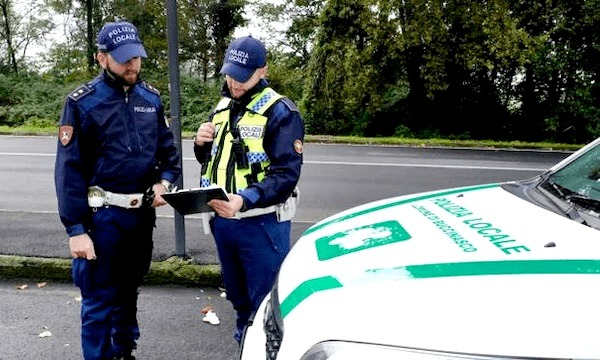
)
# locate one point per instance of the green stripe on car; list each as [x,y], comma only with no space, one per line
[476,268]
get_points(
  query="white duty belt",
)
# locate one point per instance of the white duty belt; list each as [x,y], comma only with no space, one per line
[98,197]
[255,212]
[285,211]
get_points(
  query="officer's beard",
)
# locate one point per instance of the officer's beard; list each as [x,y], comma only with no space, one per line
[120,79]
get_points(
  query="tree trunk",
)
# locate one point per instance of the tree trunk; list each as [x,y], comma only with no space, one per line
[89,5]
[9,46]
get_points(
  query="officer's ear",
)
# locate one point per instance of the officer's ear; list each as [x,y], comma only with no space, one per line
[102,59]
[262,72]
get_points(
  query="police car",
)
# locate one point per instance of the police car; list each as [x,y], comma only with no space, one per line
[496,271]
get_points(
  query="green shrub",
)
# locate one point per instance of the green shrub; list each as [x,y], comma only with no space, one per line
[25,100]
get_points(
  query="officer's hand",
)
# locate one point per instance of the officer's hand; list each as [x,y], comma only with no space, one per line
[159,190]
[205,134]
[81,246]
[227,209]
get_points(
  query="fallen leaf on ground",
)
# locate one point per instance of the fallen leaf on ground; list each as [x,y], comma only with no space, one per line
[212,318]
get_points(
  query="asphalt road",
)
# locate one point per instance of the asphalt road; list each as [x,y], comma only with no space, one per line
[334,178]
[43,323]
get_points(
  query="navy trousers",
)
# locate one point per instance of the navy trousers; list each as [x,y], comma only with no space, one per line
[109,285]
[250,251]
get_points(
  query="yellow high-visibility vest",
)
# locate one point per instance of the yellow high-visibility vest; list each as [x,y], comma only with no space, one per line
[222,169]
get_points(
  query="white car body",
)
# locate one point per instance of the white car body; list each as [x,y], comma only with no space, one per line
[475,271]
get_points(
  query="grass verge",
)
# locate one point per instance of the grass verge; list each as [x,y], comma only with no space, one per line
[172,271]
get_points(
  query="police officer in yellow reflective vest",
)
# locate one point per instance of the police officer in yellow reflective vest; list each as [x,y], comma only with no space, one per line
[252,147]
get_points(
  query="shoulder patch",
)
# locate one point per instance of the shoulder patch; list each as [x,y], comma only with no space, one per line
[65,134]
[151,88]
[80,92]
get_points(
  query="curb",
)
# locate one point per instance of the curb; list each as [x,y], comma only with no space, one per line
[172,271]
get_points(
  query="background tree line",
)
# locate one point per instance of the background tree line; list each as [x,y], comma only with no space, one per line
[469,69]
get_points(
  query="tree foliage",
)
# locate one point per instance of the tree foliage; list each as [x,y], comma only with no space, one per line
[497,69]
[206,28]
[18,30]
[521,69]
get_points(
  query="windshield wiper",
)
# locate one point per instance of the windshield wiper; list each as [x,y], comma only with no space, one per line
[560,192]
[584,201]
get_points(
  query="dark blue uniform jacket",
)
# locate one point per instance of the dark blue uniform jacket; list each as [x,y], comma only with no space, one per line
[120,142]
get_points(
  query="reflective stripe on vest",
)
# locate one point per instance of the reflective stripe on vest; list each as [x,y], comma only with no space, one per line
[221,169]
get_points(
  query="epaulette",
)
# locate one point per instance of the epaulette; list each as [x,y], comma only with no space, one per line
[80,92]
[290,104]
[151,88]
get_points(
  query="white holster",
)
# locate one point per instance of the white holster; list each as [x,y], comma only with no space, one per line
[287,210]
[206,216]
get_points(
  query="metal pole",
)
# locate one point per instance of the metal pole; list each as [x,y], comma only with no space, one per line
[173,44]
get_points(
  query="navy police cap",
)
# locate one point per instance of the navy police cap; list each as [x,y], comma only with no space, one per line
[243,56]
[121,40]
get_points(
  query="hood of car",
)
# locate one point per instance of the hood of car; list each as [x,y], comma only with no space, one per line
[467,270]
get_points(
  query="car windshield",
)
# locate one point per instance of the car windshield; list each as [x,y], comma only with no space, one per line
[579,181]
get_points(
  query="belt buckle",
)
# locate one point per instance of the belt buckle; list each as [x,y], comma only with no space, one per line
[96,196]
[134,201]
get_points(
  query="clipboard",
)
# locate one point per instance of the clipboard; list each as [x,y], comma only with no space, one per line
[193,201]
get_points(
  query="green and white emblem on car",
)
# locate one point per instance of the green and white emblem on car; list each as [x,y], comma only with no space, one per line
[360,238]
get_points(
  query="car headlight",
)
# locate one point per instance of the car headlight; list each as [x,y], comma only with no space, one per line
[338,350]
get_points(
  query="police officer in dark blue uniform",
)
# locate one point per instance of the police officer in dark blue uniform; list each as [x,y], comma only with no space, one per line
[252,146]
[115,158]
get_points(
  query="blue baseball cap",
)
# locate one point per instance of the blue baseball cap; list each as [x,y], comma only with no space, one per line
[121,40]
[243,56]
